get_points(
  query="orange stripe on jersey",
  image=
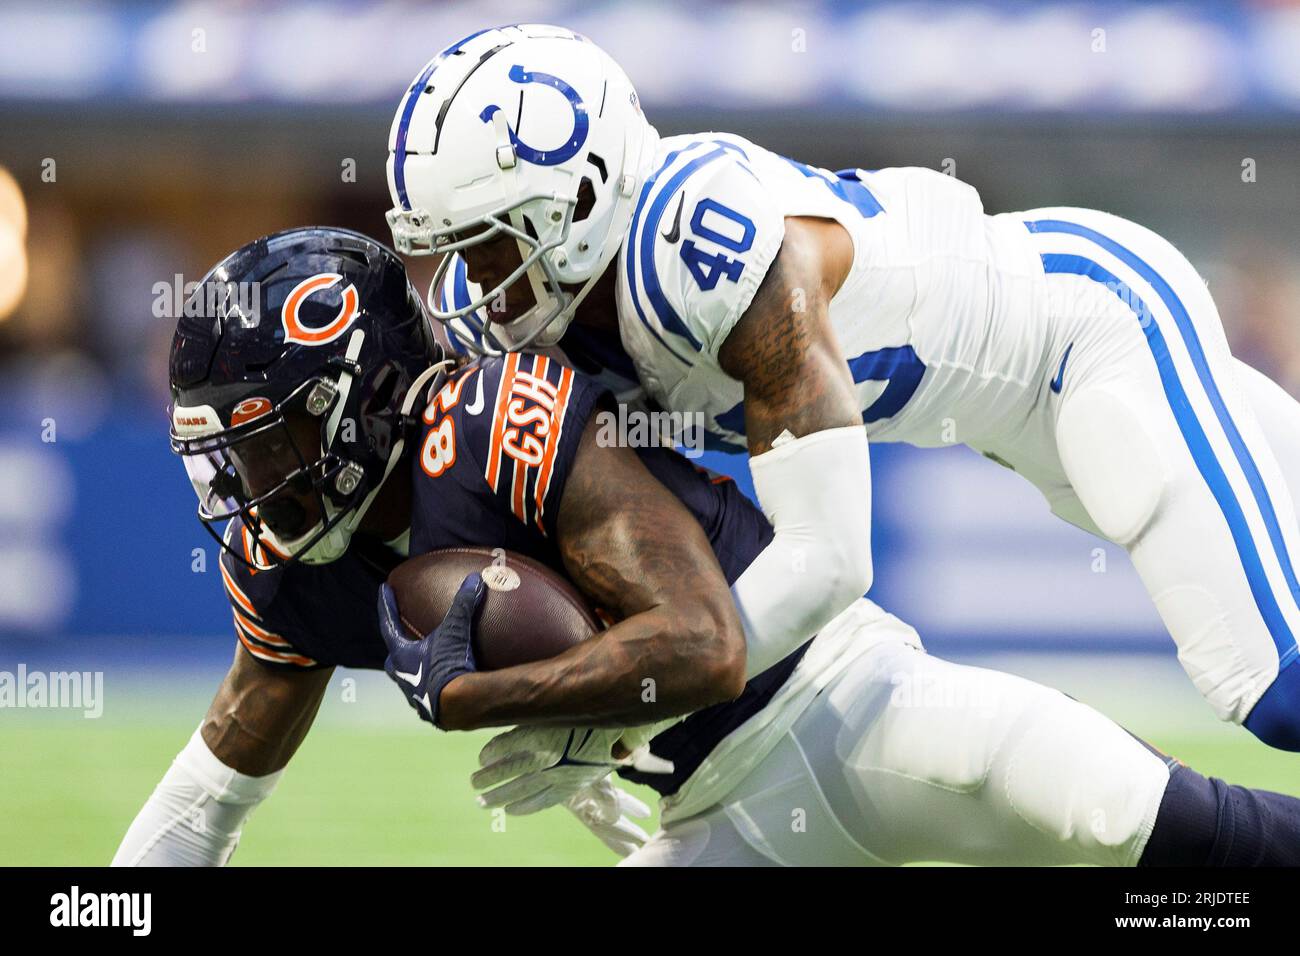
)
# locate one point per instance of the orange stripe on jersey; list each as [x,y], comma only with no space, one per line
[552,443]
[236,595]
[275,657]
[493,470]
[264,545]
[248,551]
[260,633]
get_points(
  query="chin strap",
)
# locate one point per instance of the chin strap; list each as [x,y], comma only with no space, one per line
[342,533]
[432,377]
[344,385]
[628,182]
[556,328]
[544,301]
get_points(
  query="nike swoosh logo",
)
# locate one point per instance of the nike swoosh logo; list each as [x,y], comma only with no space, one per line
[675,233]
[1059,381]
[476,406]
[412,679]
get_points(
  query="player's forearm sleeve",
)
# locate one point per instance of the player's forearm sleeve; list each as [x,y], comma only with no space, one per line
[195,815]
[816,492]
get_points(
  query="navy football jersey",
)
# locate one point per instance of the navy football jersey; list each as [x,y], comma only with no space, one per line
[496,447]
[304,616]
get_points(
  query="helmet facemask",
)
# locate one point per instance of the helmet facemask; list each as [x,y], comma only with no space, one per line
[328,492]
[541,261]
[293,418]
[296,499]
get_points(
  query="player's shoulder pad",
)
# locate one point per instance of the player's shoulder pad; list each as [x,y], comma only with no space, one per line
[252,594]
[705,230]
[511,424]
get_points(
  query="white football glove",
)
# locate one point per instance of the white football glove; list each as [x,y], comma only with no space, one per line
[606,810]
[532,768]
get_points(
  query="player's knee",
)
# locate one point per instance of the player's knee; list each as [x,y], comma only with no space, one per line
[1275,719]
[1076,776]
[1112,461]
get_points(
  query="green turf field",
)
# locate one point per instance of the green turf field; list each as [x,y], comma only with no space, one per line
[374,786]
[371,785]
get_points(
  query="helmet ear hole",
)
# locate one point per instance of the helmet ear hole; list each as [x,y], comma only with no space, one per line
[529,227]
[586,200]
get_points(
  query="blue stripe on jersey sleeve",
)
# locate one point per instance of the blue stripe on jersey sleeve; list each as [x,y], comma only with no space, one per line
[846,185]
[630,251]
[642,236]
[461,298]
[457,275]
[408,110]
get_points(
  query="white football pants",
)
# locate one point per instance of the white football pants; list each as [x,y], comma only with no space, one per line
[904,757]
[1175,451]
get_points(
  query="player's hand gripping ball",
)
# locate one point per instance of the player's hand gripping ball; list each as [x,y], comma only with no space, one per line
[423,667]
[457,610]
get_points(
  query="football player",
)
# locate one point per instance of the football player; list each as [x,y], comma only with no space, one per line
[325,427]
[802,311]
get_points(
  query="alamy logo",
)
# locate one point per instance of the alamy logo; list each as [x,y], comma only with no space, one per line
[75,908]
[238,301]
[637,428]
[70,690]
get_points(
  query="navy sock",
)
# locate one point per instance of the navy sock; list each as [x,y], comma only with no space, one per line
[1206,822]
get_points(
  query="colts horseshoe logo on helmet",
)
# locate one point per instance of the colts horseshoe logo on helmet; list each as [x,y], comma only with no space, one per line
[296,331]
[581,123]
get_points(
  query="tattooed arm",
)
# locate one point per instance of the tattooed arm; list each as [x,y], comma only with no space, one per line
[652,567]
[809,457]
[783,348]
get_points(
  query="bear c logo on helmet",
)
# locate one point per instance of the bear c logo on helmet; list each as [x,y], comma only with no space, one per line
[296,331]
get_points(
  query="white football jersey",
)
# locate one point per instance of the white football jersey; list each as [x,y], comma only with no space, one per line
[1082,350]
[943,318]
[940,314]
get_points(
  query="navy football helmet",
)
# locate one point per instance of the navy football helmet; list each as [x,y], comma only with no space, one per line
[294,370]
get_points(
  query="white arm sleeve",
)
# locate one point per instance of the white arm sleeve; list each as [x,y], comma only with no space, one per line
[816,492]
[195,815]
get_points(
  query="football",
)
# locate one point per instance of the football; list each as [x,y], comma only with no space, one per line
[530,613]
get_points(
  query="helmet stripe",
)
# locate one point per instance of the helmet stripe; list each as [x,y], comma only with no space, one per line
[404,127]
[408,109]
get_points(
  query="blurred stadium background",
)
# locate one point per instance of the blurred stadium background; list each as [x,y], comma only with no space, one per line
[141,143]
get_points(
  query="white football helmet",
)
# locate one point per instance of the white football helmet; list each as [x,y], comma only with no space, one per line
[496,136]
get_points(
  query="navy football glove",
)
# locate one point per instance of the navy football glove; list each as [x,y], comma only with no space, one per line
[422,668]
